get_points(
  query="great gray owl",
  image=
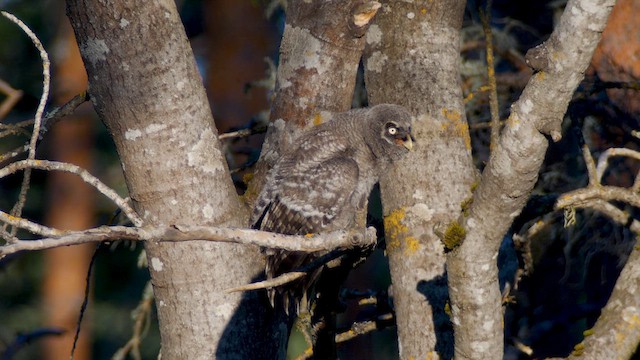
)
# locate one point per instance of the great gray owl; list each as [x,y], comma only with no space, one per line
[323,182]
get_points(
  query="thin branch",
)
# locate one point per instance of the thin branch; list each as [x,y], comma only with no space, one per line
[45,82]
[10,155]
[361,328]
[22,197]
[85,301]
[289,276]
[30,226]
[271,283]
[13,95]
[8,237]
[594,178]
[603,160]
[55,115]
[141,316]
[583,196]
[83,174]
[320,242]
[48,121]
[485,16]
[28,338]
[13,129]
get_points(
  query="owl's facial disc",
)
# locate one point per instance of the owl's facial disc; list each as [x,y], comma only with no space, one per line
[398,135]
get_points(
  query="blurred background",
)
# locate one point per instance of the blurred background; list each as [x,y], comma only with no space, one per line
[559,277]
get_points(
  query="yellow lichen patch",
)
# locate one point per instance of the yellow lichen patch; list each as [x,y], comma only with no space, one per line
[423,11]
[465,206]
[627,326]
[394,228]
[447,309]
[513,120]
[308,235]
[474,185]
[411,245]
[457,126]
[578,349]
[452,115]
[587,332]
[453,236]
[246,178]
[432,356]
[468,98]
[249,195]
[540,75]
[317,119]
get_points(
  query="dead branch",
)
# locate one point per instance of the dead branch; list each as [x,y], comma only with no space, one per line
[580,197]
[84,175]
[361,328]
[142,318]
[48,121]
[485,15]
[603,160]
[13,95]
[22,197]
[320,242]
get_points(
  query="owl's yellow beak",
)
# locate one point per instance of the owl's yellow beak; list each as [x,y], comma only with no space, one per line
[408,143]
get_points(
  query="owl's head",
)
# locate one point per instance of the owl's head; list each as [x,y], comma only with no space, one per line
[389,131]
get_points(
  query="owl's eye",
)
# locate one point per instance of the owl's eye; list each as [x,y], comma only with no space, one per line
[392,130]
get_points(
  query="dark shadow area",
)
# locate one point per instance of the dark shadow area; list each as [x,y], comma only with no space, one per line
[437,294]
[255,319]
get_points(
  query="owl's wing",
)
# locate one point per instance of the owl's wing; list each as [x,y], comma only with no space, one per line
[306,202]
[313,159]
[309,201]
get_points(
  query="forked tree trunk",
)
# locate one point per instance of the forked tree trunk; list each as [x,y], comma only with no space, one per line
[145,86]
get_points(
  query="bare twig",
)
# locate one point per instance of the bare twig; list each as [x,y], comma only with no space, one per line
[22,197]
[85,301]
[289,276]
[24,339]
[491,76]
[45,82]
[360,328]
[583,196]
[321,242]
[30,226]
[12,129]
[141,316]
[13,95]
[276,281]
[603,160]
[10,155]
[83,174]
[49,120]
[594,179]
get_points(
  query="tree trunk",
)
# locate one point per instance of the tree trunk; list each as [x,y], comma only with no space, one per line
[319,55]
[412,58]
[145,86]
[511,173]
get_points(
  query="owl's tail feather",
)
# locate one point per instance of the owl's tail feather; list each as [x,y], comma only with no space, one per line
[293,295]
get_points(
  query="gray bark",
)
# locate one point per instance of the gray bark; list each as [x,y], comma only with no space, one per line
[145,87]
[616,334]
[321,47]
[412,58]
[512,172]
[319,55]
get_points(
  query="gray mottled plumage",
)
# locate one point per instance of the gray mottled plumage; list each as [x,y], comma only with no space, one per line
[322,184]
